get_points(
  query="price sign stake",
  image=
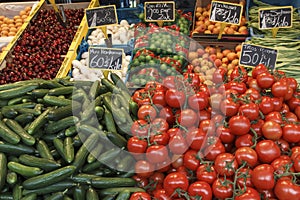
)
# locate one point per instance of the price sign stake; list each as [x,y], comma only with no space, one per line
[160,12]
[253,55]
[275,18]
[225,13]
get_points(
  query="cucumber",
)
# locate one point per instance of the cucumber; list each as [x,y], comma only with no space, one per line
[94,91]
[16,149]
[24,118]
[32,196]
[40,121]
[56,196]
[64,111]
[71,131]
[18,100]
[39,93]
[109,121]
[95,152]
[35,112]
[17,128]
[49,178]
[24,170]
[112,182]
[6,196]
[17,191]
[56,187]
[79,193]
[91,194]
[119,82]
[44,150]
[59,146]
[61,124]
[3,170]
[91,166]
[50,84]
[110,197]
[69,149]
[61,91]
[18,91]
[117,139]
[110,85]
[11,178]
[56,101]
[9,112]
[124,195]
[110,191]
[83,178]
[43,163]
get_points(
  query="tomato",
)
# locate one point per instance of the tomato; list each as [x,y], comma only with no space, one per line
[224,134]
[274,116]
[267,151]
[163,166]
[138,95]
[254,93]
[140,128]
[207,173]
[249,194]
[153,87]
[190,160]
[263,177]
[289,94]
[136,144]
[160,194]
[281,164]
[257,125]
[169,82]
[188,118]
[173,181]
[141,181]
[207,126]
[195,139]
[175,98]
[204,114]
[174,131]
[283,145]
[213,147]
[159,125]
[192,78]
[244,141]
[290,117]
[271,130]
[157,153]
[222,189]
[225,164]
[167,114]
[296,161]
[157,177]
[228,107]
[297,112]
[140,196]
[219,75]
[161,138]
[200,189]
[259,69]
[265,80]
[291,133]
[285,189]
[239,125]
[198,101]
[277,102]
[177,144]
[252,83]
[143,168]
[249,110]
[293,103]
[246,154]
[239,73]
[267,194]
[279,89]
[145,101]
[147,112]
[177,161]
[292,83]
[158,98]
[239,87]
[266,105]
[244,177]
[215,101]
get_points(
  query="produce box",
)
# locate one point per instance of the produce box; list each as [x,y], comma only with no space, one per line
[210,32]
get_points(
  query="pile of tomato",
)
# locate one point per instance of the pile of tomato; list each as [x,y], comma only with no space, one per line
[238,139]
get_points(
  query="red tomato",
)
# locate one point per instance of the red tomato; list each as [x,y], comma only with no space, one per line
[157,153]
[297,111]
[249,194]
[265,80]
[267,151]
[246,154]
[290,117]
[239,87]
[293,103]
[173,181]
[244,177]
[200,189]
[159,125]
[239,125]
[153,86]
[254,93]
[213,147]
[244,141]
[225,164]
[266,105]
[143,168]
[195,139]
[141,181]
[207,173]
[263,177]
[277,102]
[274,116]
[296,161]
[198,101]
[160,138]
[249,110]
[228,107]
[219,75]
[281,164]
[285,189]
[239,73]
[160,194]
[291,133]
[252,83]
[169,82]
[190,160]
[215,101]
[192,78]
[177,144]
[292,83]
[136,144]
[259,69]
[279,89]
[225,135]
[158,98]
[177,161]
[188,118]
[257,125]
[157,177]
[207,126]
[271,130]
[222,189]
[140,128]
[147,112]
[283,145]
[175,98]
[167,114]
[204,114]
[140,196]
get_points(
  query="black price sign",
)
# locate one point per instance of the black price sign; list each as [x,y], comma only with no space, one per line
[159,11]
[276,17]
[101,16]
[252,55]
[105,58]
[229,13]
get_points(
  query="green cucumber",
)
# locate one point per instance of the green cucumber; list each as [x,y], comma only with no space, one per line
[56,187]
[79,193]
[16,149]
[61,91]
[40,121]
[24,170]
[18,91]
[91,194]
[124,195]
[24,118]
[8,135]
[57,101]
[69,149]
[64,111]
[112,182]
[11,178]
[43,163]
[39,93]
[44,150]
[109,191]
[3,170]
[61,124]
[32,196]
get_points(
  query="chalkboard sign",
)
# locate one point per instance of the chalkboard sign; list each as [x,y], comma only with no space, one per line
[276,17]
[159,11]
[229,13]
[101,16]
[252,55]
[105,58]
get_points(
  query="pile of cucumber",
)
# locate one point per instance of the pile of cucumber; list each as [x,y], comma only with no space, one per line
[61,139]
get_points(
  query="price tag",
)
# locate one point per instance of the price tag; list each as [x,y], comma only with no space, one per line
[252,55]
[105,58]
[159,11]
[101,16]
[275,17]
[224,12]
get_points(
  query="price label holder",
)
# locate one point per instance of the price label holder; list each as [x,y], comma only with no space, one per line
[160,12]
[226,13]
[275,18]
[252,55]
[101,17]
[105,59]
